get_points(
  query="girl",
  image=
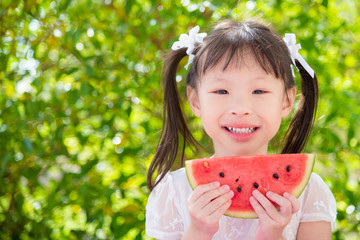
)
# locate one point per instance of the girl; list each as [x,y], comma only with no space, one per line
[241,85]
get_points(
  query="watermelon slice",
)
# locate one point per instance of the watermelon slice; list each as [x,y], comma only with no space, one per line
[278,173]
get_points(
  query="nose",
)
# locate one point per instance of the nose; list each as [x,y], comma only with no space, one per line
[240,105]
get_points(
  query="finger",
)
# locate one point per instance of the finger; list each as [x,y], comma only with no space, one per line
[217,203]
[201,189]
[260,211]
[266,204]
[221,210]
[210,196]
[294,202]
[284,203]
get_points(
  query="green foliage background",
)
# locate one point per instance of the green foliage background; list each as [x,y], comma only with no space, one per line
[80,106]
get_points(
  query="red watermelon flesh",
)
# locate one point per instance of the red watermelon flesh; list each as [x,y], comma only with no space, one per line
[278,173]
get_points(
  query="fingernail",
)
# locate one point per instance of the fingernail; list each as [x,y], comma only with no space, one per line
[225,187]
[216,184]
[286,194]
[269,193]
[231,193]
[252,199]
[255,192]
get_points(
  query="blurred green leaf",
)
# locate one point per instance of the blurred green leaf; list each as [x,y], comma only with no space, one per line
[28,145]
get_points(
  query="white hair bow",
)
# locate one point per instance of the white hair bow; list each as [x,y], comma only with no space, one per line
[189,42]
[290,40]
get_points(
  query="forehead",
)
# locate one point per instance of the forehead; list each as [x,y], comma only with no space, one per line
[233,58]
[240,63]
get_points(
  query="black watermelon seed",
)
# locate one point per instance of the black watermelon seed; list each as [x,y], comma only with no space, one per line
[256,185]
[276,176]
[237,180]
[238,189]
[288,168]
[222,174]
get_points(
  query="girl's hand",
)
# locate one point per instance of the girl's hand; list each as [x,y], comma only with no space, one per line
[273,221]
[206,205]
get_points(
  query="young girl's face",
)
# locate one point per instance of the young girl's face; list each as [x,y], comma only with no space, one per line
[241,108]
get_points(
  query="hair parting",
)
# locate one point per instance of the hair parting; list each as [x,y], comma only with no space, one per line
[175,131]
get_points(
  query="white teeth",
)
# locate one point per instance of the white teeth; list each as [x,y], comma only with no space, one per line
[241,130]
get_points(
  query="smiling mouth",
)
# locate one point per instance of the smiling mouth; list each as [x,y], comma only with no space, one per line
[241,130]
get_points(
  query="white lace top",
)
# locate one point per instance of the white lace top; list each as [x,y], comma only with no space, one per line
[167,215]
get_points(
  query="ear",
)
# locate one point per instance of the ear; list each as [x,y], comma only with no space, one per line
[193,100]
[288,102]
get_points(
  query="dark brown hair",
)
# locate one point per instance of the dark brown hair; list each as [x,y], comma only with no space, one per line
[230,41]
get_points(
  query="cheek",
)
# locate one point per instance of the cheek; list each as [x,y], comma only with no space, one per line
[208,105]
[271,111]
[208,126]
[268,106]
[209,117]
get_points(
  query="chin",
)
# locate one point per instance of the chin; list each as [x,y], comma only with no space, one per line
[246,152]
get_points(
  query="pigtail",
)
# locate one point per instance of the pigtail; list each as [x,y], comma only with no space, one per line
[174,127]
[301,125]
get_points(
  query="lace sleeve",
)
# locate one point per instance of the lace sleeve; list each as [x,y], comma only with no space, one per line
[319,202]
[163,217]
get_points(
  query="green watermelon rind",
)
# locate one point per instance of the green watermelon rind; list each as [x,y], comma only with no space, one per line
[251,214]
